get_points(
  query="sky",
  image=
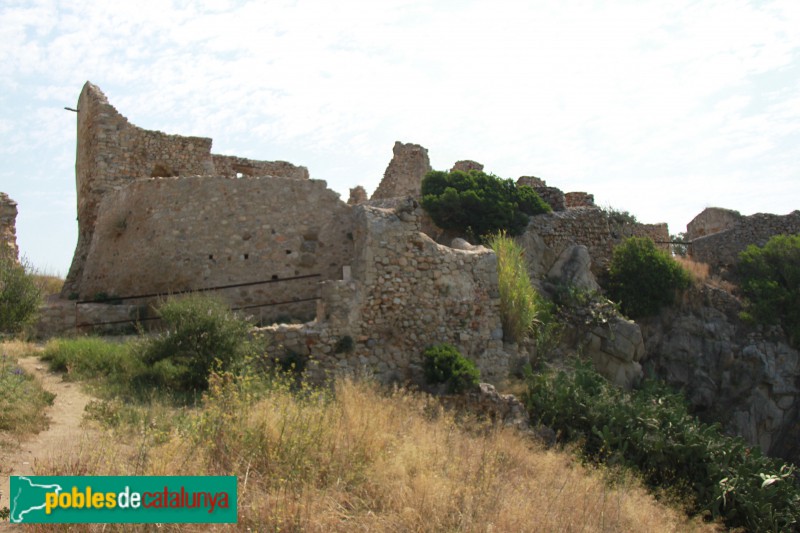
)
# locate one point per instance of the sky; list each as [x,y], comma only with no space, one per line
[658,108]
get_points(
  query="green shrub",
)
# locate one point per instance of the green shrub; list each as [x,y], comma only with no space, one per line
[518,298]
[201,333]
[652,431]
[770,282]
[443,363]
[643,279]
[476,204]
[20,295]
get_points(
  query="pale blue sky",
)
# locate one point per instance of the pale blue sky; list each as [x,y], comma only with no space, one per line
[659,108]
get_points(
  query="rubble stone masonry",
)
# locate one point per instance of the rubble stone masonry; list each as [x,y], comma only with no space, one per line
[112,152]
[8,224]
[176,234]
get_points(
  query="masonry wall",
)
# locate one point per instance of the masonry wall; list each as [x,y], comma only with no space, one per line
[589,226]
[230,166]
[168,235]
[406,293]
[112,152]
[721,250]
[8,231]
[711,220]
[403,176]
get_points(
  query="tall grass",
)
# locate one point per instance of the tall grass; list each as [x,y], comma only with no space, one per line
[22,398]
[358,458]
[518,298]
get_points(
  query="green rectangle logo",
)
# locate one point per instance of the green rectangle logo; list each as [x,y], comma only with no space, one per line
[123,499]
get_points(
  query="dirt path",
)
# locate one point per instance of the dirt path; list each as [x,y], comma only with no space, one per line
[64,435]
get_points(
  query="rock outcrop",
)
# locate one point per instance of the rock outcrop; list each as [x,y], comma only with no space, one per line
[745,377]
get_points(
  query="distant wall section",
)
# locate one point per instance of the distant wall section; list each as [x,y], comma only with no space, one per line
[721,250]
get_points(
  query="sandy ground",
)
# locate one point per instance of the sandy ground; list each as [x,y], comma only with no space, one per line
[64,435]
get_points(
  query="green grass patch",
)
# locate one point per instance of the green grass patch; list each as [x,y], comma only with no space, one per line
[22,400]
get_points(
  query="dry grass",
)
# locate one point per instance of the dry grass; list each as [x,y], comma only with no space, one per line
[49,284]
[361,459]
[701,273]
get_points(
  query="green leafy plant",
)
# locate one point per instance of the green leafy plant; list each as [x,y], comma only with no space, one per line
[443,363]
[20,295]
[652,431]
[642,278]
[519,301]
[476,204]
[770,282]
[201,333]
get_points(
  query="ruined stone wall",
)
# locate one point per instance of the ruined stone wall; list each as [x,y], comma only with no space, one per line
[112,152]
[579,199]
[403,176]
[658,233]
[711,220]
[552,195]
[230,166]
[583,225]
[168,235]
[587,226]
[8,225]
[721,250]
[406,293]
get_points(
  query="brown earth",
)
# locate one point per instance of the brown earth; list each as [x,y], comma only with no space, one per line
[64,435]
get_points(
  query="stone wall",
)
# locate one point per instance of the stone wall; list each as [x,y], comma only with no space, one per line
[587,226]
[112,152]
[466,165]
[552,195]
[403,176]
[177,234]
[721,250]
[579,199]
[711,220]
[231,166]
[8,227]
[406,293]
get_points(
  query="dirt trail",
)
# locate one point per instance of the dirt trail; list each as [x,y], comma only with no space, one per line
[64,435]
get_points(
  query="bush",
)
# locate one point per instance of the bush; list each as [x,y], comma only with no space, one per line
[518,298]
[201,332]
[651,430]
[476,204]
[643,278]
[443,363]
[20,295]
[770,282]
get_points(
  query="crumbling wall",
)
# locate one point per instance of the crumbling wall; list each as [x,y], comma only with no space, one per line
[168,235]
[587,226]
[403,176]
[711,220]
[358,195]
[579,199]
[721,250]
[232,166]
[406,293]
[466,165]
[112,152]
[8,225]
[552,195]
